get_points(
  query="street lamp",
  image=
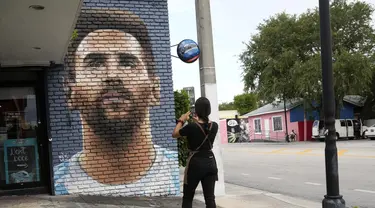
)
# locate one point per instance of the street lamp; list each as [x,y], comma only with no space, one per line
[332,199]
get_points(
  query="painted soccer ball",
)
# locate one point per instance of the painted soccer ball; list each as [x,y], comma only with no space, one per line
[188,51]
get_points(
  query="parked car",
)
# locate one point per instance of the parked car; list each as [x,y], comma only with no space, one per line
[370,132]
[345,128]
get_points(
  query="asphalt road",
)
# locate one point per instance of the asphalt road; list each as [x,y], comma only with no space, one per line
[298,169]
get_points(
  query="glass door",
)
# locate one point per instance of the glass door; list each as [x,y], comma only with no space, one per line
[19,141]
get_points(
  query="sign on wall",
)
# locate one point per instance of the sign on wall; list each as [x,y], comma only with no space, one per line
[21,160]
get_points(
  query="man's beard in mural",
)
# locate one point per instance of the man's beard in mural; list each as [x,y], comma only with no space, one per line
[114,115]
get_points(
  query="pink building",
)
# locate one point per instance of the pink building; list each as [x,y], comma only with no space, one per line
[270,126]
[268,123]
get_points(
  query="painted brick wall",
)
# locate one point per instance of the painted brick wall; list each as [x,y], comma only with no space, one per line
[111,107]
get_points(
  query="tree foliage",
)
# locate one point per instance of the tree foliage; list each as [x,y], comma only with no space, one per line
[227,106]
[283,59]
[245,102]
[182,105]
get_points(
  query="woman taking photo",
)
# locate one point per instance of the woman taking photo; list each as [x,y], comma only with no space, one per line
[201,164]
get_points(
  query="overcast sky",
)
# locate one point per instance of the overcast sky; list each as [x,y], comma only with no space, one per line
[233,23]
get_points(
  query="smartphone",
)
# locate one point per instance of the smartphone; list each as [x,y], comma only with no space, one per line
[192,114]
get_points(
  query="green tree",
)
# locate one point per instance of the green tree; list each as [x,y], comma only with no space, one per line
[227,106]
[182,105]
[267,62]
[245,102]
[283,59]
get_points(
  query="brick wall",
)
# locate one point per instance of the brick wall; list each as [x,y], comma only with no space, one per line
[111,107]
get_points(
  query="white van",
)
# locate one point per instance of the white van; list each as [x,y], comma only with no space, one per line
[345,128]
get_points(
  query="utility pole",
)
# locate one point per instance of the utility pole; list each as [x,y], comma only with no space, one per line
[208,78]
[333,199]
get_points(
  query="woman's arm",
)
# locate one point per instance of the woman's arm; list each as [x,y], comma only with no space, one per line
[180,123]
[176,131]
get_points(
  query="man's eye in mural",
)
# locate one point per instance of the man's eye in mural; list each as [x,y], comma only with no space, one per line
[95,60]
[95,64]
[128,60]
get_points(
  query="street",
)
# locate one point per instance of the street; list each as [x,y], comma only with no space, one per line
[298,169]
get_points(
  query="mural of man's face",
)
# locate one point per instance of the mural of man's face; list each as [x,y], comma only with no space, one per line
[113,88]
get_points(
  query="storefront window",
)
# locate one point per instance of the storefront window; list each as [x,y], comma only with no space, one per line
[19,160]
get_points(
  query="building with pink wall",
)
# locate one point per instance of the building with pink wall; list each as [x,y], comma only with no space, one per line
[223,131]
[268,122]
[270,126]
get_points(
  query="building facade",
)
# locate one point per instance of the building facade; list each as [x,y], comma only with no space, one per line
[268,122]
[101,123]
[271,126]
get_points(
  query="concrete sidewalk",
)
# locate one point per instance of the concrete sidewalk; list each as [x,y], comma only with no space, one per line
[47,201]
[236,197]
[243,197]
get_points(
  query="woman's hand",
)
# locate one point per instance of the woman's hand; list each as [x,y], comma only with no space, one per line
[185,117]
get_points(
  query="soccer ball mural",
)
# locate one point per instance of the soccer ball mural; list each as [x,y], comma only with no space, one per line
[188,51]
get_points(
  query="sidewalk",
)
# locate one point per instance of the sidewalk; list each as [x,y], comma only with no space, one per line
[47,201]
[243,197]
[236,197]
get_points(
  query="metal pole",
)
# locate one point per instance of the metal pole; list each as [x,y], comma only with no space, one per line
[208,78]
[333,198]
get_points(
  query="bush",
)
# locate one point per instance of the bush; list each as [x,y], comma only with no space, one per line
[182,105]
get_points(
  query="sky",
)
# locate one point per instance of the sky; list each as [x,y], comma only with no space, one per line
[233,22]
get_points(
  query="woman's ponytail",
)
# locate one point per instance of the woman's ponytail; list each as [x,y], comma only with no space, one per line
[203,110]
[206,120]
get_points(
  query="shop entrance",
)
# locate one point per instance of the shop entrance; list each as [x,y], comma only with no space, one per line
[24,149]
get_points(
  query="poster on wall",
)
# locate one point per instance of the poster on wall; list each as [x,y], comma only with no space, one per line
[21,160]
[238,130]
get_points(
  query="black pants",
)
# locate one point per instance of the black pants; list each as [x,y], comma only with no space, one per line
[204,170]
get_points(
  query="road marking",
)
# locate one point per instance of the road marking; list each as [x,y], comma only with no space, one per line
[365,191]
[245,174]
[361,156]
[274,178]
[314,184]
[305,154]
[277,151]
[341,152]
[272,194]
[305,151]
